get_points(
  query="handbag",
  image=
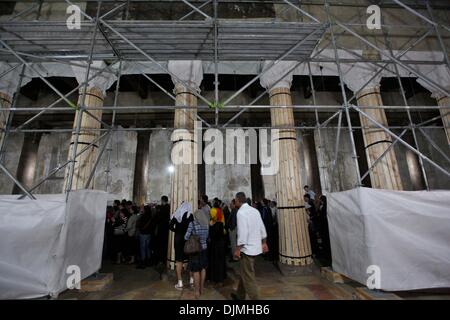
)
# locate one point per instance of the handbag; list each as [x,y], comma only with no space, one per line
[192,245]
[119,231]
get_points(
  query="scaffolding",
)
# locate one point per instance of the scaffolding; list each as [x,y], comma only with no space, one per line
[202,34]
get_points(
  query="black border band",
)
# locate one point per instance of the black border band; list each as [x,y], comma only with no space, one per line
[278,93]
[380,141]
[185,92]
[92,95]
[289,257]
[181,140]
[4,99]
[86,143]
[366,94]
[291,207]
[442,98]
[285,138]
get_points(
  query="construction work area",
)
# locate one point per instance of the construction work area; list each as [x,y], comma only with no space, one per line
[349,98]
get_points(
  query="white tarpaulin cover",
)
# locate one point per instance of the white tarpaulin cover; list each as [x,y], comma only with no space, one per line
[405,233]
[40,238]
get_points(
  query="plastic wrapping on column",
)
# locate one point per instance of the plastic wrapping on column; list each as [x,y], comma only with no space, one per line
[84,163]
[8,86]
[444,101]
[439,74]
[385,174]
[94,96]
[294,243]
[185,176]
[5,102]
[27,161]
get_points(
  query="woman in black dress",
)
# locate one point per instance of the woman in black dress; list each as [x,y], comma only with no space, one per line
[179,224]
[216,271]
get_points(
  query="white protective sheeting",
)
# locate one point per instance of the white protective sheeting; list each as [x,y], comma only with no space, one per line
[405,233]
[40,238]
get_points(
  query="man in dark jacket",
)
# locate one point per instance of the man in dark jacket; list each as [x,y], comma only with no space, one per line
[313,224]
[162,218]
[144,225]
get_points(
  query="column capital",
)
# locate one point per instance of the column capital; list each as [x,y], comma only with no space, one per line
[275,76]
[102,81]
[359,74]
[186,72]
[438,74]
[9,82]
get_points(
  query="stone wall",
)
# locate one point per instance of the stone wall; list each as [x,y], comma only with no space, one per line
[159,177]
[53,152]
[115,172]
[344,176]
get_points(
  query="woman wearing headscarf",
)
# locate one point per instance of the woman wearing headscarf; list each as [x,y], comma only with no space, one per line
[217,251]
[199,262]
[179,224]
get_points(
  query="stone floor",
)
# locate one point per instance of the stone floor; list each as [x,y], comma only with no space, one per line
[147,284]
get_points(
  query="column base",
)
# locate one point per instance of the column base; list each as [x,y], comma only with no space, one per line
[292,270]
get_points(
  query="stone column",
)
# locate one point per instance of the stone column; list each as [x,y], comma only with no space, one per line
[294,244]
[440,74]
[141,168]
[28,160]
[94,97]
[385,174]
[189,74]
[311,163]
[5,102]
[444,101]
[8,86]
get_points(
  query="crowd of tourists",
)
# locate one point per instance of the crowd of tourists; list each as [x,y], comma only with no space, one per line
[206,238]
[137,234]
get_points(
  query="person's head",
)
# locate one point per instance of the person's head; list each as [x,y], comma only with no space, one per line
[129,204]
[203,200]
[307,197]
[216,203]
[164,200]
[266,202]
[233,204]
[116,203]
[240,199]
[123,213]
[202,217]
[306,188]
[147,210]
[109,210]
[273,204]
[323,200]
[135,210]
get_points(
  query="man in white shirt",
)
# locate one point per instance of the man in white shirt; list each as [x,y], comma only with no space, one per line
[251,242]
